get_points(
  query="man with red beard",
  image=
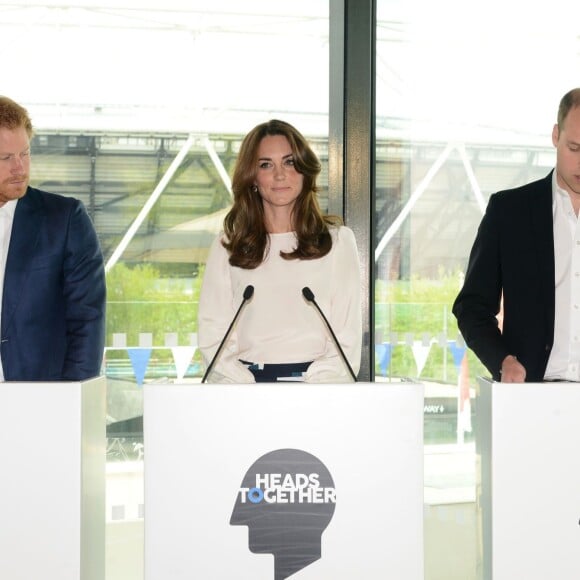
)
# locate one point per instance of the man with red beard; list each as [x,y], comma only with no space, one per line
[52,280]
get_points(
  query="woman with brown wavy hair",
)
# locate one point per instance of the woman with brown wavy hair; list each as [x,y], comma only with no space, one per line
[276,239]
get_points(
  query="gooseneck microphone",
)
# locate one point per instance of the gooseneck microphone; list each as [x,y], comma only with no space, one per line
[248,293]
[309,295]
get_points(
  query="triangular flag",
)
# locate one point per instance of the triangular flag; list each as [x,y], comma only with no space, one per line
[182,356]
[458,350]
[383,353]
[420,353]
[139,360]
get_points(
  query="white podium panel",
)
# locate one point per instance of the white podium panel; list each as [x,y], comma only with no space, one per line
[528,448]
[52,484]
[268,481]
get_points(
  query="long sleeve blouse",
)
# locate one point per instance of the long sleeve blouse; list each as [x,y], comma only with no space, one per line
[278,325]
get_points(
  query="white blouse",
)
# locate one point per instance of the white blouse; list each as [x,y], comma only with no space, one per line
[278,325]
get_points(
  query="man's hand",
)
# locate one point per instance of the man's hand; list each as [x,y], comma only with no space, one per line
[512,371]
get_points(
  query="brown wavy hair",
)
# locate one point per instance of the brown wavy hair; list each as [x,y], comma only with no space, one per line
[13,116]
[246,236]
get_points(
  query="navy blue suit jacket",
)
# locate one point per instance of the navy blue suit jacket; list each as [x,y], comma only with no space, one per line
[513,253]
[53,302]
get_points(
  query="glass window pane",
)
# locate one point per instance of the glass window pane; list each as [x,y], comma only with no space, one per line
[466,101]
[140,114]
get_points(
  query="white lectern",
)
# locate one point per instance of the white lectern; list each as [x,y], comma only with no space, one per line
[52,482]
[237,475]
[528,448]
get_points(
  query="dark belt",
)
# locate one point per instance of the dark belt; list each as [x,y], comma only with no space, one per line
[276,373]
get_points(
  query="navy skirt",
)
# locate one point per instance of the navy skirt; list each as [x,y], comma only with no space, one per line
[277,373]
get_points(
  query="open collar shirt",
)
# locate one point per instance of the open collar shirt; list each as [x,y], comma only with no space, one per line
[564,361]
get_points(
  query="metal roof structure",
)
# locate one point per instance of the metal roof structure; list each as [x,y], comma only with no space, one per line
[429,196]
[139,108]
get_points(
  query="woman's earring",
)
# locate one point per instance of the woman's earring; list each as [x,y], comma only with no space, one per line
[254,188]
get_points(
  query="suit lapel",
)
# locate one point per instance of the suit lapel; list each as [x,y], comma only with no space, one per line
[23,241]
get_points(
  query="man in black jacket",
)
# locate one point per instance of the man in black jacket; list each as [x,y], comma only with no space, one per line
[527,255]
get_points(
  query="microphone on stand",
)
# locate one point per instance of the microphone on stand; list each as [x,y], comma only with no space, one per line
[309,295]
[248,293]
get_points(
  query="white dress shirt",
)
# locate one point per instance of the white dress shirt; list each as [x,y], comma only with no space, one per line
[6,220]
[564,361]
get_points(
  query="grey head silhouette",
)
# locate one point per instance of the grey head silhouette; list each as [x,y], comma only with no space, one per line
[287,500]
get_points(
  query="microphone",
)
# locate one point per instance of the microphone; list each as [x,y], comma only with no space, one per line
[309,295]
[248,293]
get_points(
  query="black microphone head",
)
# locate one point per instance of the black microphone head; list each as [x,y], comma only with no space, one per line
[308,294]
[248,292]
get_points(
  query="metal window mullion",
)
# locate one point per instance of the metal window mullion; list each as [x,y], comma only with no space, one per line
[352,142]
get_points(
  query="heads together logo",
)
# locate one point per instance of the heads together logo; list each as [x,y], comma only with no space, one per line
[287,498]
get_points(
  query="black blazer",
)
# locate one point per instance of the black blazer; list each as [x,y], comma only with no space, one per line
[513,254]
[53,302]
